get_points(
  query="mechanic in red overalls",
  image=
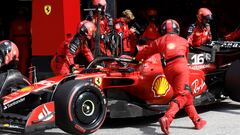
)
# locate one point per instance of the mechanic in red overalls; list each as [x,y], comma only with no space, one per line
[200,32]
[174,50]
[63,61]
[8,55]
[151,32]
[233,35]
[105,27]
[127,35]
[21,35]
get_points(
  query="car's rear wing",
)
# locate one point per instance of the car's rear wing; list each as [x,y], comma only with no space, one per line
[224,44]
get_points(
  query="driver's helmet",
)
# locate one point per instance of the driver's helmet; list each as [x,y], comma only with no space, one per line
[8,52]
[87,29]
[204,15]
[170,26]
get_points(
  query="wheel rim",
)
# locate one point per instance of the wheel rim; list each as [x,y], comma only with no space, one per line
[87,108]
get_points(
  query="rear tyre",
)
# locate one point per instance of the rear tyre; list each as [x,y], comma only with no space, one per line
[80,107]
[232,81]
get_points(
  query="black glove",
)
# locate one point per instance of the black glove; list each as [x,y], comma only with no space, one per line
[74,44]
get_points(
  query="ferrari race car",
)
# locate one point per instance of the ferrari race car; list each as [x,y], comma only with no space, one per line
[78,103]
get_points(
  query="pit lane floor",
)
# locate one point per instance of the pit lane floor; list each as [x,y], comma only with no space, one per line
[223,119]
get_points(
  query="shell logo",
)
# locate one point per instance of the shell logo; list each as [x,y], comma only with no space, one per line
[160,86]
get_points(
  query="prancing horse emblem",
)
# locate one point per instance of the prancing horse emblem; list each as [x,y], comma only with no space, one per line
[47,9]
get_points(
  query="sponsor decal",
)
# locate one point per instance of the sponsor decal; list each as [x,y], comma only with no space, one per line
[171,46]
[47,9]
[45,114]
[160,86]
[26,89]
[10,126]
[14,103]
[198,85]
[117,26]
[98,81]
[46,82]
[199,67]
[79,128]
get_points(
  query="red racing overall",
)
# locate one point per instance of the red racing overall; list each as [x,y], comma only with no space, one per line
[174,49]
[63,59]
[122,27]
[104,30]
[200,32]
[151,32]
[198,35]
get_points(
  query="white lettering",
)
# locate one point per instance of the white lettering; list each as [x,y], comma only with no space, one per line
[197,85]
[14,103]
[45,115]
[198,59]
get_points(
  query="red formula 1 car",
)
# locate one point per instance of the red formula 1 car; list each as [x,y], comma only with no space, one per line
[79,103]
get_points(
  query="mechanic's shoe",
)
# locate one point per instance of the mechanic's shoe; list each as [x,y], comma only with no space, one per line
[200,123]
[165,124]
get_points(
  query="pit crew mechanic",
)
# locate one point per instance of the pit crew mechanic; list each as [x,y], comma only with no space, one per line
[63,61]
[121,26]
[106,26]
[200,32]
[151,32]
[173,50]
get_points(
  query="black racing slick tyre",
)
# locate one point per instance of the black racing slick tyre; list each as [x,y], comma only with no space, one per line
[232,81]
[11,81]
[80,107]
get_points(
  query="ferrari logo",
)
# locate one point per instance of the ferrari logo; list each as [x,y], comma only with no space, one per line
[47,9]
[98,81]
[160,86]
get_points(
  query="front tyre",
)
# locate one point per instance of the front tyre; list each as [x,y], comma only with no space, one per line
[80,107]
